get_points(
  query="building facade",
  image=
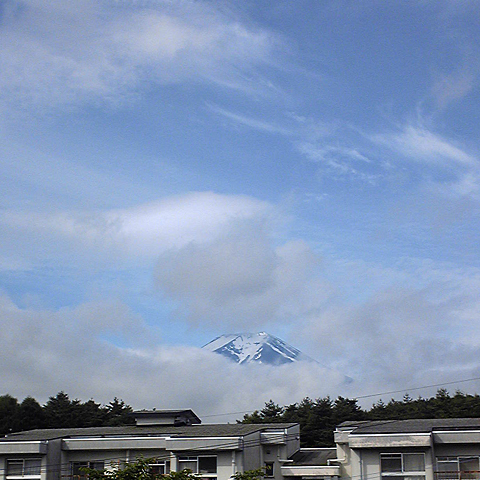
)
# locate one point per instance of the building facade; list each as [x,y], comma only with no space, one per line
[442,449]
[175,438]
[438,449]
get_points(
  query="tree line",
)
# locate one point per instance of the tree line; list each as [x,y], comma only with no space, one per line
[60,412]
[318,418]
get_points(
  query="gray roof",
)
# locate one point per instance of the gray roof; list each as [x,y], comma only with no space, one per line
[313,456]
[213,430]
[420,425]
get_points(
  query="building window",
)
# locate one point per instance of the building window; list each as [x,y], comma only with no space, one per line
[206,466]
[402,466]
[77,468]
[160,468]
[24,467]
[456,468]
[269,469]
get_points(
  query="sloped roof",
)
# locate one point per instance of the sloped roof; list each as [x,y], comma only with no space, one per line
[213,430]
[420,425]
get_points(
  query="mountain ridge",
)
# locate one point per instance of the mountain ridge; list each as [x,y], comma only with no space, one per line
[261,347]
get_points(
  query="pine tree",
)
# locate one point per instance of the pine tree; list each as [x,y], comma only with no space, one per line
[8,414]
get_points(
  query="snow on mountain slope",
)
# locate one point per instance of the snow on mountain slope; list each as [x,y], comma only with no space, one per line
[256,347]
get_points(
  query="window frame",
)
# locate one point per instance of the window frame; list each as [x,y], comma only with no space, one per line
[266,466]
[402,473]
[89,464]
[163,463]
[23,460]
[458,473]
[196,458]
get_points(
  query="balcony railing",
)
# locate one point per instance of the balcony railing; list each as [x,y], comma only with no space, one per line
[458,475]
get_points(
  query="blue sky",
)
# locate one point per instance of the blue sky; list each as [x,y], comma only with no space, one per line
[172,171]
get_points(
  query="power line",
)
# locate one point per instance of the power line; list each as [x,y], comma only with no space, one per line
[357,397]
[418,388]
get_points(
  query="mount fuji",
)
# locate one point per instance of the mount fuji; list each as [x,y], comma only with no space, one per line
[259,347]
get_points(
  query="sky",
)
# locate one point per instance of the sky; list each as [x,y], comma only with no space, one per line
[175,170]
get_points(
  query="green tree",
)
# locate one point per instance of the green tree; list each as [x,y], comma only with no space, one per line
[117,412]
[61,412]
[270,413]
[89,414]
[346,409]
[249,475]
[138,470]
[8,414]
[29,415]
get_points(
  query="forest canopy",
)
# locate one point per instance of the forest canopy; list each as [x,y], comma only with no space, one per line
[318,418]
[60,412]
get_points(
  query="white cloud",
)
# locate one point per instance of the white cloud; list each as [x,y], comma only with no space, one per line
[218,259]
[329,153]
[450,169]
[311,139]
[420,144]
[398,338]
[341,161]
[47,351]
[217,255]
[57,52]
[418,330]
[253,123]
[220,263]
[138,233]
[241,280]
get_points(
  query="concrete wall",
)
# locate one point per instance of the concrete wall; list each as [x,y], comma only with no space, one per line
[225,465]
[23,448]
[207,443]
[252,452]
[85,444]
[226,460]
[90,455]
[54,458]
[363,464]
[457,450]
[293,440]
[274,453]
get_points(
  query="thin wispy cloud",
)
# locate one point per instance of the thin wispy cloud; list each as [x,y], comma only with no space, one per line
[420,144]
[342,161]
[251,122]
[61,54]
[311,138]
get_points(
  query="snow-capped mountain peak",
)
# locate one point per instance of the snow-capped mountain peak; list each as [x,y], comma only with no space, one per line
[255,347]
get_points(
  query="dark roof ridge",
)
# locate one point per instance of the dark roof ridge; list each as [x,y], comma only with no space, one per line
[412,425]
[213,430]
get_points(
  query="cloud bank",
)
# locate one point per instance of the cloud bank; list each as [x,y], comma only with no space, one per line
[219,261]
[47,351]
